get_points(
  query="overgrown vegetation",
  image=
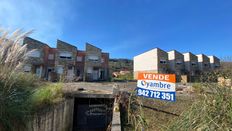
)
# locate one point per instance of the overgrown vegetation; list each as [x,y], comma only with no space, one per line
[126,77]
[197,88]
[117,65]
[213,76]
[133,116]
[47,94]
[15,91]
[213,111]
[20,93]
[159,113]
[135,113]
[139,113]
[15,87]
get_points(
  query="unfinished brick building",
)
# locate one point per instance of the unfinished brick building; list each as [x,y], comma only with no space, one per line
[66,61]
[184,65]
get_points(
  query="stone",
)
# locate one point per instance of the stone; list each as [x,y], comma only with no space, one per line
[228,82]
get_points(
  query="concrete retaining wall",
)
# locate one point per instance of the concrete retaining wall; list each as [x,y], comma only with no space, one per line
[116,122]
[57,118]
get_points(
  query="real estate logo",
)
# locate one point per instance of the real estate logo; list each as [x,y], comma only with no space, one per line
[157,86]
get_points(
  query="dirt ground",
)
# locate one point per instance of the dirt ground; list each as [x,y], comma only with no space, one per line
[159,114]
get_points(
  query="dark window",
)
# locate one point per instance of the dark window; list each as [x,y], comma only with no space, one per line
[78,72]
[162,62]
[193,64]
[65,57]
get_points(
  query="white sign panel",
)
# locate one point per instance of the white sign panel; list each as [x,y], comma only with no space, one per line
[158,86]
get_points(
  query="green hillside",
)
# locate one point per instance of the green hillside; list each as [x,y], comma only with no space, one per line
[117,65]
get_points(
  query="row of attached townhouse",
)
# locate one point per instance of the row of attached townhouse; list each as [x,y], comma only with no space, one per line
[159,61]
[66,61]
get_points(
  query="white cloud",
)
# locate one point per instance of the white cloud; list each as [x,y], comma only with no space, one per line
[46,17]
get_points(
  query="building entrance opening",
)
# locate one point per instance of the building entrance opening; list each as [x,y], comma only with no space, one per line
[92,114]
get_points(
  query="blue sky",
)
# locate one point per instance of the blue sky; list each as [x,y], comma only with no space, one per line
[126,28]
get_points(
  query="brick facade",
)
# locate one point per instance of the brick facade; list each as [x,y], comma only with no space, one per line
[66,61]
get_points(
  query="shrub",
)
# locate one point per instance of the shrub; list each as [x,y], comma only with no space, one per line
[15,91]
[126,77]
[15,87]
[20,93]
[47,94]
[212,76]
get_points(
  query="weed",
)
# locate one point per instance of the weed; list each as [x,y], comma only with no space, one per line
[47,94]
[212,112]
[197,87]
[133,116]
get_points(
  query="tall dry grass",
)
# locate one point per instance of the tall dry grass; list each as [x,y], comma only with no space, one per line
[21,94]
[132,112]
[213,111]
[12,50]
[15,87]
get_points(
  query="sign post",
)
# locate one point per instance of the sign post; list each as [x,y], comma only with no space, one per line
[157,86]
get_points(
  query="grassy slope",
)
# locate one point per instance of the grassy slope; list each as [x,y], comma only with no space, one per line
[117,65]
[120,64]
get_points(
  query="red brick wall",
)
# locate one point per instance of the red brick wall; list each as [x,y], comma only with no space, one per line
[105,56]
[52,51]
